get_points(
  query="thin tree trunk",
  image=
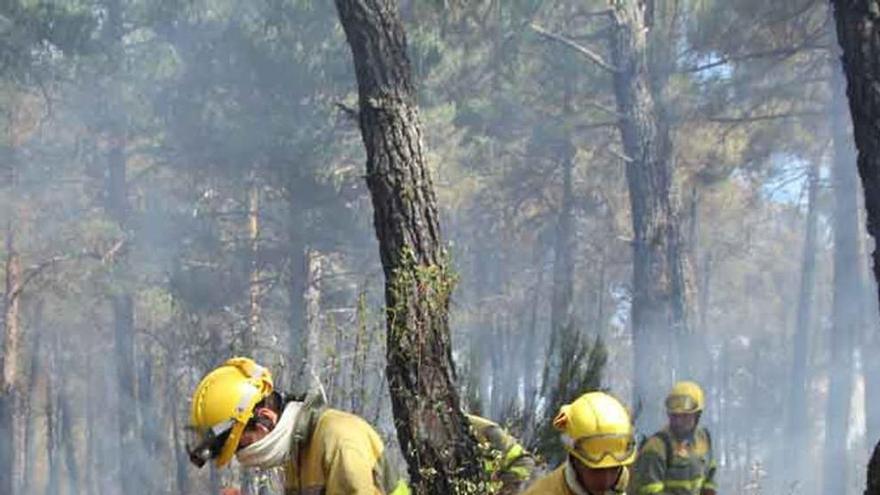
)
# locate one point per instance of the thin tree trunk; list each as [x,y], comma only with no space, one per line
[92,483]
[312,297]
[480,367]
[432,429]
[562,324]
[9,466]
[36,367]
[796,422]
[600,323]
[249,337]
[296,314]
[123,324]
[117,207]
[362,348]
[53,420]
[181,460]
[151,477]
[248,479]
[658,302]
[530,362]
[68,441]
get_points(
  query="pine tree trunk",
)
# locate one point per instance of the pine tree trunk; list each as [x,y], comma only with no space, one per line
[117,207]
[858,33]
[797,425]
[249,336]
[295,286]
[658,302]
[10,358]
[68,440]
[151,472]
[531,349]
[53,420]
[249,480]
[36,365]
[433,432]
[123,324]
[874,473]
[311,372]
[562,293]
[845,317]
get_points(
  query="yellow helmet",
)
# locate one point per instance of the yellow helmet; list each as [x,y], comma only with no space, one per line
[596,429]
[222,405]
[685,398]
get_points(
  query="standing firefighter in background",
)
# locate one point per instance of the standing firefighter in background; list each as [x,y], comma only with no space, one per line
[678,460]
[508,464]
[598,435]
[235,411]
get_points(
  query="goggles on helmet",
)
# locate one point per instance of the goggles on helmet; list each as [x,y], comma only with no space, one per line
[593,449]
[202,446]
[681,404]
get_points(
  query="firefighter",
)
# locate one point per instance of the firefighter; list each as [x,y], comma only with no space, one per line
[235,411]
[678,459]
[508,464]
[598,435]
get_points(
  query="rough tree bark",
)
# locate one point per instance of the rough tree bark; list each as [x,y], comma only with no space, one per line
[122,303]
[845,310]
[858,32]
[32,387]
[312,303]
[123,329]
[248,478]
[53,418]
[874,473]
[9,360]
[295,289]
[431,427]
[658,305]
[249,335]
[796,420]
[117,207]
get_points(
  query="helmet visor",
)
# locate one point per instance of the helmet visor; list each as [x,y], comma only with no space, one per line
[595,449]
[681,404]
[204,445]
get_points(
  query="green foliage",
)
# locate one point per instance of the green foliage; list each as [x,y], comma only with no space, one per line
[581,372]
[414,284]
[31,31]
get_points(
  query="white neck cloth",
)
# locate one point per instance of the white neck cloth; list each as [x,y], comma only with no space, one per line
[273,449]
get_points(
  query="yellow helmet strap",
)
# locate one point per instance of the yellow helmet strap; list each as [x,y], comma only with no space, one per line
[203,448]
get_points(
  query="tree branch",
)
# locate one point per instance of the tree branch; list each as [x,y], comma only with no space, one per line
[783,52]
[758,118]
[596,125]
[39,268]
[600,106]
[586,52]
[351,113]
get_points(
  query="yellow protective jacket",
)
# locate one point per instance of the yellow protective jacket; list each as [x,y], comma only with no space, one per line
[563,481]
[337,453]
[670,466]
[507,462]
